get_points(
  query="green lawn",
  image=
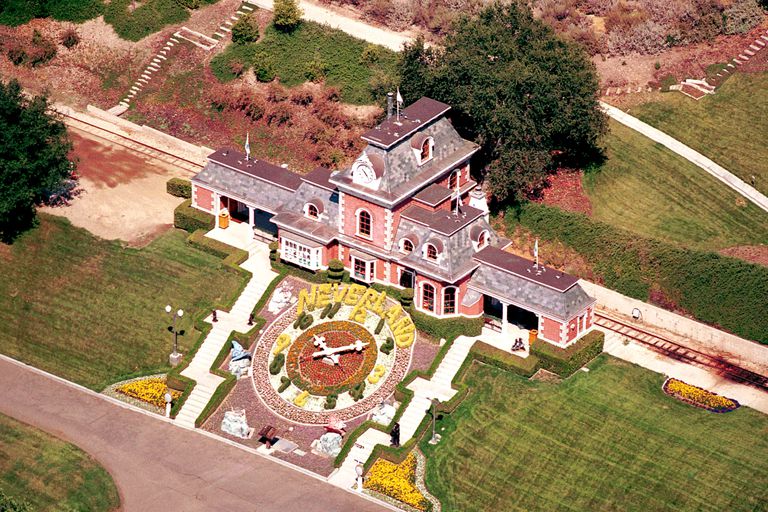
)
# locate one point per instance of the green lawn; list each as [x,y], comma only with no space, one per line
[49,474]
[91,311]
[647,189]
[360,70]
[728,127]
[604,440]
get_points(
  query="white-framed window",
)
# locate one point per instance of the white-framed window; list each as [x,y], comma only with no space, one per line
[430,252]
[363,270]
[301,255]
[364,223]
[449,300]
[310,210]
[426,150]
[406,245]
[428,297]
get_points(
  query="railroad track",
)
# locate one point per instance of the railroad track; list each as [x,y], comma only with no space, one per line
[681,353]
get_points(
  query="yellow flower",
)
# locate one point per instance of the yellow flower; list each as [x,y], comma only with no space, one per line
[698,395]
[397,481]
[150,390]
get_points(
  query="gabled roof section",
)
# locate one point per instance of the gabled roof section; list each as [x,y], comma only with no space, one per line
[433,195]
[412,118]
[264,171]
[319,177]
[526,269]
[291,216]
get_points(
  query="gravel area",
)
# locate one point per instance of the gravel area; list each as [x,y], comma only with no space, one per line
[424,352]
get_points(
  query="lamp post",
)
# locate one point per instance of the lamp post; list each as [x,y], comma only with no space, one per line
[168,400]
[175,357]
[359,471]
[435,436]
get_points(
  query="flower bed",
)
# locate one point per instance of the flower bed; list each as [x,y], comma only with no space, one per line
[397,481]
[151,390]
[699,397]
[318,377]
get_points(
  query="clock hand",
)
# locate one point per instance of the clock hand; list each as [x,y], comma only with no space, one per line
[358,346]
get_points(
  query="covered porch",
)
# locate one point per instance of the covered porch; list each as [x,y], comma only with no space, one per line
[245,223]
[506,323]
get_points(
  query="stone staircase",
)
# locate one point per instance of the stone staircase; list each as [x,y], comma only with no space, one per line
[234,320]
[346,475]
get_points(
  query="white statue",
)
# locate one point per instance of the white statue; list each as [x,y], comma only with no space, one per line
[235,424]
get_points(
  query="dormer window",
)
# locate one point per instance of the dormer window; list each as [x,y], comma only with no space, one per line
[431,252]
[426,149]
[313,209]
[364,223]
[312,212]
[406,246]
[423,147]
[482,239]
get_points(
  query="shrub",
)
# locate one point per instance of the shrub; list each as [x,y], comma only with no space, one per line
[448,328]
[280,114]
[357,391]
[70,38]
[16,52]
[149,17]
[179,187]
[191,219]
[76,11]
[400,15]
[287,15]
[305,322]
[379,326]
[326,310]
[330,402]
[335,270]
[40,51]
[189,4]
[388,345]
[335,309]
[245,30]
[273,247]
[216,248]
[265,73]
[277,364]
[565,362]
[406,297]
[712,288]
[741,16]
[490,355]
[302,96]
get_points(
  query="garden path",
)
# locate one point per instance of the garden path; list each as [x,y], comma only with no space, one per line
[313,12]
[234,320]
[688,153]
[628,350]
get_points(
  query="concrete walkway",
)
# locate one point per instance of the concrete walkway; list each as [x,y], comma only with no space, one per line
[313,12]
[689,154]
[234,320]
[157,466]
[628,350]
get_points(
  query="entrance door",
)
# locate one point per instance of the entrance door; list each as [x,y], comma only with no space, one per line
[406,278]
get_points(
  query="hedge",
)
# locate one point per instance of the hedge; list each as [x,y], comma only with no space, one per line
[191,219]
[179,187]
[725,292]
[566,362]
[231,255]
[448,328]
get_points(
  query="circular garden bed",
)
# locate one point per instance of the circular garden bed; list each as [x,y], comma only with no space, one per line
[310,368]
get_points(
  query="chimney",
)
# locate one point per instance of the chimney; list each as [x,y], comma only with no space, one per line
[390,104]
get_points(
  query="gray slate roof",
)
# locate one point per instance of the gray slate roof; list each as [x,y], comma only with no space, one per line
[291,214]
[529,294]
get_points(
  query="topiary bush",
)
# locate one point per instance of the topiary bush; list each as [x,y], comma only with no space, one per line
[245,30]
[284,383]
[330,402]
[406,297]
[191,219]
[388,345]
[357,391]
[179,187]
[335,270]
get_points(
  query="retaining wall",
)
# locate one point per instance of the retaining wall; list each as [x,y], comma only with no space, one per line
[140,134]
[749,354]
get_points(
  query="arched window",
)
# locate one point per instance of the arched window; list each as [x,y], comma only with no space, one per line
[364,223]
[482,239]
[312,211]
[426,149]
[453,180]
[449,301]
[431,252]
[428,297]
[407,245]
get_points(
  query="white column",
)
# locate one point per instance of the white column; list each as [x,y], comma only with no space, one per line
[503,318]
[216,207]
[250,216]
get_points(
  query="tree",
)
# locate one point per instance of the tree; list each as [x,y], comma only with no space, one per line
[287,14]
[33,157]
[245,30]
[526,96]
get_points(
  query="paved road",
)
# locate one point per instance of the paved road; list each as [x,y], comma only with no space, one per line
[161,467]
[689,154]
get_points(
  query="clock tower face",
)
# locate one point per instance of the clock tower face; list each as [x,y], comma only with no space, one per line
[362,171]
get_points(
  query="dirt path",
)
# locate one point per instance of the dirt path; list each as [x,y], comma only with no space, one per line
[124,191]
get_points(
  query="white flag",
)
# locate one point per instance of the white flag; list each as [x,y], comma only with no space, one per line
[247,146]
[536,251]
[399,98]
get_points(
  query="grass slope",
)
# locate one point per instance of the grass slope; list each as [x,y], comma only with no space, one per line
[49,473]
[728,127]
[645,188]
[90,311]
[351,64]
[604,440]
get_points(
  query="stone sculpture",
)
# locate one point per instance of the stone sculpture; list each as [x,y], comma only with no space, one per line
[383,414]
[235,424]
[329,444]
